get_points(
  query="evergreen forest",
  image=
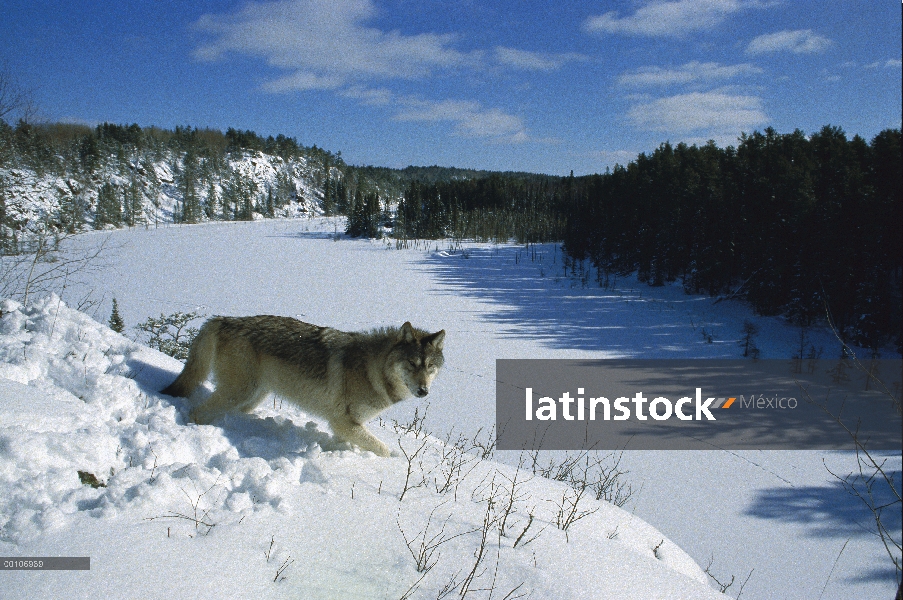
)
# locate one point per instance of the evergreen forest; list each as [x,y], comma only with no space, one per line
[805,226]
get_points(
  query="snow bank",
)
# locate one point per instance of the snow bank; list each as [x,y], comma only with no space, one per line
[270,504]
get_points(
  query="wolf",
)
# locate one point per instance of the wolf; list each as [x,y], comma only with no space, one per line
[344,377]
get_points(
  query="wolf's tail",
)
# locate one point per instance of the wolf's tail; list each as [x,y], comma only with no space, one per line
[200,360]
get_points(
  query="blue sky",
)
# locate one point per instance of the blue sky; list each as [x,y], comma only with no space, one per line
[510,85]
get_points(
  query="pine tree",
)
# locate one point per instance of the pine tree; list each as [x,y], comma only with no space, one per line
[231,196]
[71,211]
[364,216]
[133,204]
[270,205]
[747,342]
[109,208]
[210,204]
[239,196]
[116,323]
[5,245]
[247,202]
[154,185]
[328,194]
[191,202]
[88,154]
[285,187]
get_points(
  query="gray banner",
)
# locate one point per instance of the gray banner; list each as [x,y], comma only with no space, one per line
[45,563]
[698,404]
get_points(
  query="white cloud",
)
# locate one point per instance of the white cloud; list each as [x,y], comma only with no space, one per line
[691,72]
[892,63]
[324,44]
[614,157]
[303,80]
[327,45]
[715,112]
[674,18]
[800,41]
[371,97]
[534,61]
[719,114]
[427,110]
[492,123]
[471,119]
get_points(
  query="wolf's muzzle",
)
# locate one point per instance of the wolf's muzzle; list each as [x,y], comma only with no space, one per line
[422,391]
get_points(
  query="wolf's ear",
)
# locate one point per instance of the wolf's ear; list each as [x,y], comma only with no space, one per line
[437,339]
[407,332]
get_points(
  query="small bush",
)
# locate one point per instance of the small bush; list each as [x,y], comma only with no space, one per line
[170,334]
[116,323]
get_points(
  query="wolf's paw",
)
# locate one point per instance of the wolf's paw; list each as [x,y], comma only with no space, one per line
[197,416]
[381,449]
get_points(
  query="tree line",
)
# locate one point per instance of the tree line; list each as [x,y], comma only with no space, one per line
[810,227]
[111,175]
[804,226]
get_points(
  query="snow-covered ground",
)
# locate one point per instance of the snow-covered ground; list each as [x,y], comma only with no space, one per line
[33,196]
[76,396]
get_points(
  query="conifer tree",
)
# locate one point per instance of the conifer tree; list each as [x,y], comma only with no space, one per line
[71,211]
[211,202]
[116,323]
[154,185]
[109,207]
[231,199]
[5,238]
[133,204]
[270,207]
[285,187]
[329,200]
[191,202]
[88,154]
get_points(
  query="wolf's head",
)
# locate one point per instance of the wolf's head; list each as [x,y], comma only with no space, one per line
[417,358]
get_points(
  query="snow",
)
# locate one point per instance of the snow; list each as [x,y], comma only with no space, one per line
[34,195]
[196,507]
[279,489]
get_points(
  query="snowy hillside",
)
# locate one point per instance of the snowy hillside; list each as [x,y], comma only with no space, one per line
[779,515]
[151,180]
[94,462]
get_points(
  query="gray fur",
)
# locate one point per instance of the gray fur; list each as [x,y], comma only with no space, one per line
[345,377]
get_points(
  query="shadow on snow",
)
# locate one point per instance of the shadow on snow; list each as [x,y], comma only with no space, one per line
[831,510]
[534,297]
[253,436]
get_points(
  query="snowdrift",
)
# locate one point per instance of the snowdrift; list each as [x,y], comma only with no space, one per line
[94,462]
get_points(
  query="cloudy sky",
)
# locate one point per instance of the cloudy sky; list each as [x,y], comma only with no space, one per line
[506,85]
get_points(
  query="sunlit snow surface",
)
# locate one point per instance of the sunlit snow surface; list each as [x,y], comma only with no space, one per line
[280,490]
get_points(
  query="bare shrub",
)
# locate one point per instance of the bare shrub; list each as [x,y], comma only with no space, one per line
[872,483]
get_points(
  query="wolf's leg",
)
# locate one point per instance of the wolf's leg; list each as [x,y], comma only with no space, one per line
[200,358]
[358,435]
[237,372]
[228,398]
[255,398]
